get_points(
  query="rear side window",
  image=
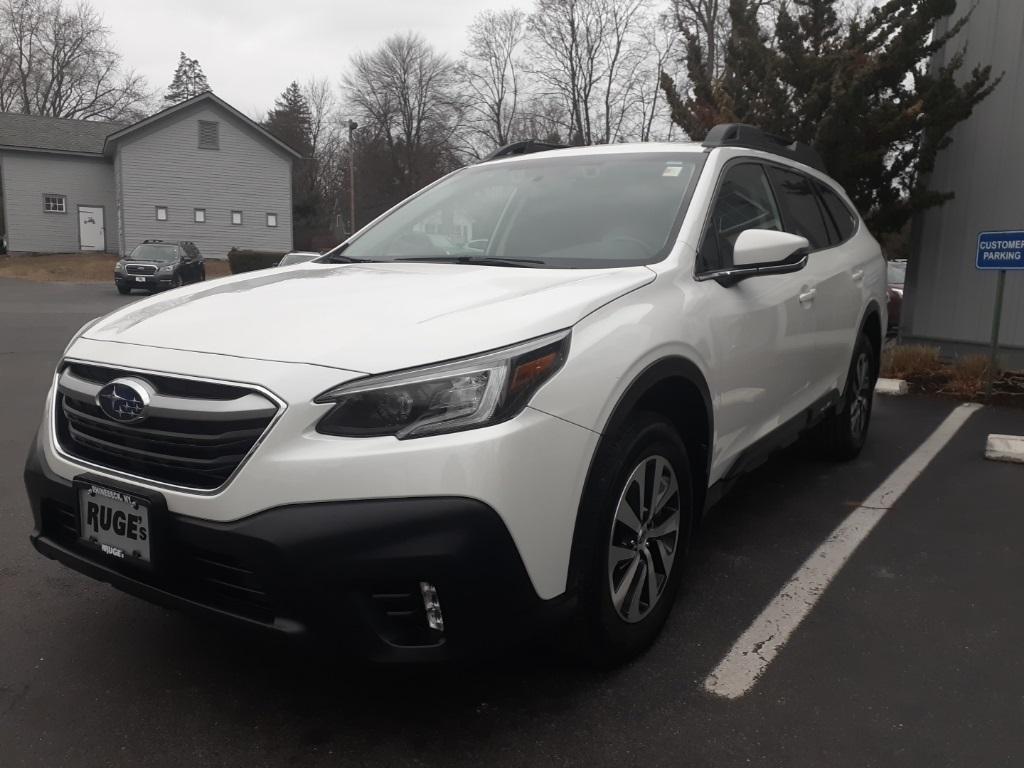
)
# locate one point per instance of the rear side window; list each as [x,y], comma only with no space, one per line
[744,201]
[844,219]
[800,208]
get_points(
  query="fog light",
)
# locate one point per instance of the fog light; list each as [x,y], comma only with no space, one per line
[432,606]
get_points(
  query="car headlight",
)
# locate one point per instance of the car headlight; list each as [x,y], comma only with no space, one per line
[167,268]
[450,397]
[119,267]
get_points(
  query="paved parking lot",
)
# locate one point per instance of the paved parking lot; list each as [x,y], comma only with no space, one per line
[912,656]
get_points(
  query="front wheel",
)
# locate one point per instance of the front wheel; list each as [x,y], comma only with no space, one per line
[124,290]
[843,433]
[638,509]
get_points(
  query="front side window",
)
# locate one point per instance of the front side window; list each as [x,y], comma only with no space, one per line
[588,211]
[800,208]
[744,201]
[55,204]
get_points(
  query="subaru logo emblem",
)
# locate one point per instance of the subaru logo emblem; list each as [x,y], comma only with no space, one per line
[125,400]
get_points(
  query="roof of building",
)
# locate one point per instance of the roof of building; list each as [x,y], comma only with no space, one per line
[53,134]
[33,133]
[208,96]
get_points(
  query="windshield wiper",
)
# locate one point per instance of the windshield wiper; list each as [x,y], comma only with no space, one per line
[337,258]
[491,261]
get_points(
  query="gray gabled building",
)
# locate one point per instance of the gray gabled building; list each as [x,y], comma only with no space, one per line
[948,302]
[199,170]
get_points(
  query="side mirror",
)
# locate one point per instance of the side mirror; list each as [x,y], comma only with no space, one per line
[765,248]
[763,252]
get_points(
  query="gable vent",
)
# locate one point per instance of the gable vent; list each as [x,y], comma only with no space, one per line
[209,134]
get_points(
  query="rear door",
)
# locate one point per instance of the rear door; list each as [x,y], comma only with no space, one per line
[836,297]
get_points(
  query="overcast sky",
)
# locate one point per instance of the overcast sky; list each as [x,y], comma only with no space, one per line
[251,49]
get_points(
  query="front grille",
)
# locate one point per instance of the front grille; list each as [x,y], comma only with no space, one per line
[140,269]
[197,435]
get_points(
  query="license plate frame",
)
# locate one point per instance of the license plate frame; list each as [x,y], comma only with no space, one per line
[139,279]
[155,509]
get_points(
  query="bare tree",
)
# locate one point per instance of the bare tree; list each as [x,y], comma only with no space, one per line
[60,62]
[493,75]
[404,93]
[592,54]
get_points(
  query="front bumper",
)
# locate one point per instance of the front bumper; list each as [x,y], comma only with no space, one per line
[142,281]
[348,570]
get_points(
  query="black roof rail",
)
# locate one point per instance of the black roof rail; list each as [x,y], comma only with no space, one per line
[752,137]
[522,148]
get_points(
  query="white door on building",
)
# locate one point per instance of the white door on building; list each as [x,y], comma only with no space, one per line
[91,232]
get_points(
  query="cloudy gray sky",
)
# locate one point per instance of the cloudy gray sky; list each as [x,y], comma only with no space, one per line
[251,49]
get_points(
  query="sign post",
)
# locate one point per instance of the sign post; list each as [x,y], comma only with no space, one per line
[999,251]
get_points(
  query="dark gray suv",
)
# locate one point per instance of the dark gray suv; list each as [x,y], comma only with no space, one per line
[157,264]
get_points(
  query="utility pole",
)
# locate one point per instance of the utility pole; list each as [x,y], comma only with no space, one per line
[352,125]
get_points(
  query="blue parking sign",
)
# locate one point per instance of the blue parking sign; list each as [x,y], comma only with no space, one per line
[1000,250]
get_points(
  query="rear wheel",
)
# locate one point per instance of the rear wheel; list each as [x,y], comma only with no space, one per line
[842,434]
[639,510]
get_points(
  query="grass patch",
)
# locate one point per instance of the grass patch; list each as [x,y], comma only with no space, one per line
[78,268]
[910,362]
[963,377]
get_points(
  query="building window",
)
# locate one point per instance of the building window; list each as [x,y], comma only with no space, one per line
[161,213]
[55,203]
[209,134]
[200,215]
[271,219]
[236,217]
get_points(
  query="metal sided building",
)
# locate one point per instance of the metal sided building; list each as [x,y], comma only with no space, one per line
[949,302]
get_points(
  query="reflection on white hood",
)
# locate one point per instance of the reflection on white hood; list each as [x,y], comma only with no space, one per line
[369,318]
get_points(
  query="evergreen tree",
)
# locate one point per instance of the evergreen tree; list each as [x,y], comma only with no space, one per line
[291,120]
[865,93]
[189,80]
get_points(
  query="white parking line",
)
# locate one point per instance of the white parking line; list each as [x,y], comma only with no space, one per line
[758,645]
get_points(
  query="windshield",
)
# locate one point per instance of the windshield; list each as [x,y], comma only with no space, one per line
[595,211]
[149,252]
[897,273]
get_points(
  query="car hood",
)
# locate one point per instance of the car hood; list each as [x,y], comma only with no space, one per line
[368,318]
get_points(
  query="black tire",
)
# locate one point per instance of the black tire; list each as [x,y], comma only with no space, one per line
[202,275]
[842,434]
[607,635]
[177,281]
[124,290]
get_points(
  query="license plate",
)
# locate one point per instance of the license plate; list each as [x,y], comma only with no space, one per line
[115,522]
[140,279]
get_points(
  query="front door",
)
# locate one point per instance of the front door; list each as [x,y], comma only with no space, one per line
[91,232]
[761,329]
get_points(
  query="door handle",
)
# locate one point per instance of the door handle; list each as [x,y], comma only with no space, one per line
[808,296]
[857,275]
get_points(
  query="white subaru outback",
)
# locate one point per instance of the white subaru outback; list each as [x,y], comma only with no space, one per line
[506,401]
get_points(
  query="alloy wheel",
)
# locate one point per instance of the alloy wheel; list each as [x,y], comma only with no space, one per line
[644,538]
[860,407]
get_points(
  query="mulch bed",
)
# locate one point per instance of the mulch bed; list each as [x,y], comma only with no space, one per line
[1007,390]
